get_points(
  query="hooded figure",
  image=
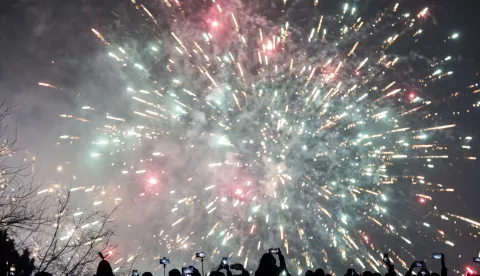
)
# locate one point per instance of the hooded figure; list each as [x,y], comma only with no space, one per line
[104,269]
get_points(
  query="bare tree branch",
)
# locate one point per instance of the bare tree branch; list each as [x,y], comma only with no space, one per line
[77,238]
[21,209]
[64,238]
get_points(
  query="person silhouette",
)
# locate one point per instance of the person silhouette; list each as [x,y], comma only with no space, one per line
[174,272]
[319,272]
[104,269]
[268,266]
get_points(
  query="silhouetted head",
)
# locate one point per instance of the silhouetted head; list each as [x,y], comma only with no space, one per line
[267,260]
[147,274]
[434,274]
[367,273]
[319,272]
[104,269]
[376,274]
[328,274]
[174,272]
[309,273]
[43,273]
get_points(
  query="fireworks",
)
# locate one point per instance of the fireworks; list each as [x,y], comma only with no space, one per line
[318,135]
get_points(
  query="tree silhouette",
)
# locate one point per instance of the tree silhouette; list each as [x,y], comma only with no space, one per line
[21,209]
[24,265]
[63,237]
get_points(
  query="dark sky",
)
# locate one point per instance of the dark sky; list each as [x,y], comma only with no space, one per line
[51,41]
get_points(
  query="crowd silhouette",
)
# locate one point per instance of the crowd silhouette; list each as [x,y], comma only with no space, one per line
[268,267]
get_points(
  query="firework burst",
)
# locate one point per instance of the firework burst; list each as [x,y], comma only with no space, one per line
[257,126]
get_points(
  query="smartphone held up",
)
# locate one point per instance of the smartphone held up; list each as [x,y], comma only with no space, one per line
[418,264]
[385,258]
[236,266]
[273,250]
[187,270]
[437,256]
[224,261]
[164,261]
